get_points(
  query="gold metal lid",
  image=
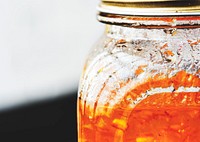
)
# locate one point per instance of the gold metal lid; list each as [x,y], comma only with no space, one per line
[150,7]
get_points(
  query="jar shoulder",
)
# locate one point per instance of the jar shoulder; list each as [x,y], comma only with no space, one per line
[162,55]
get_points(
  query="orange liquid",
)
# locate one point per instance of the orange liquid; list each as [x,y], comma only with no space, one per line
[150,121]
[160,117]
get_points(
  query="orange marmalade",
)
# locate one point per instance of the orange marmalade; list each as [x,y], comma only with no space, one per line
[161,117]
[142,85]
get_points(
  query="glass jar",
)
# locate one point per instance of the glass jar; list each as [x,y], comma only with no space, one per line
[141,82]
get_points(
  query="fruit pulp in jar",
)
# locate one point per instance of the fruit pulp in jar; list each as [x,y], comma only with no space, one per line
[161,117]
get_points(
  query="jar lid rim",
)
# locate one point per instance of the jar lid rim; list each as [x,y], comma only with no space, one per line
[150,7]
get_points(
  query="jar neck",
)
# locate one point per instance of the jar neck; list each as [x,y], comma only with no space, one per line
[155,22]
[129,33]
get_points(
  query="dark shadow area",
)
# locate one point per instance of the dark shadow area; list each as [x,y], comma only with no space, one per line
[48,121]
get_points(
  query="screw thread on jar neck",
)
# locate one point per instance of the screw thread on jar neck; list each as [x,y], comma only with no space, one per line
[151,22]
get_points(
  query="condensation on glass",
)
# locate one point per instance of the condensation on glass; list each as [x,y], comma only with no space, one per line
[141,81]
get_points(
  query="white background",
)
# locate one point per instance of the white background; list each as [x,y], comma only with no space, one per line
[43,44]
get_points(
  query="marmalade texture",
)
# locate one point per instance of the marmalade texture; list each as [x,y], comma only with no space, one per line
[141,85]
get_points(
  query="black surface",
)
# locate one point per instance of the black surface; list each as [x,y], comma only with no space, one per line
[49,121]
